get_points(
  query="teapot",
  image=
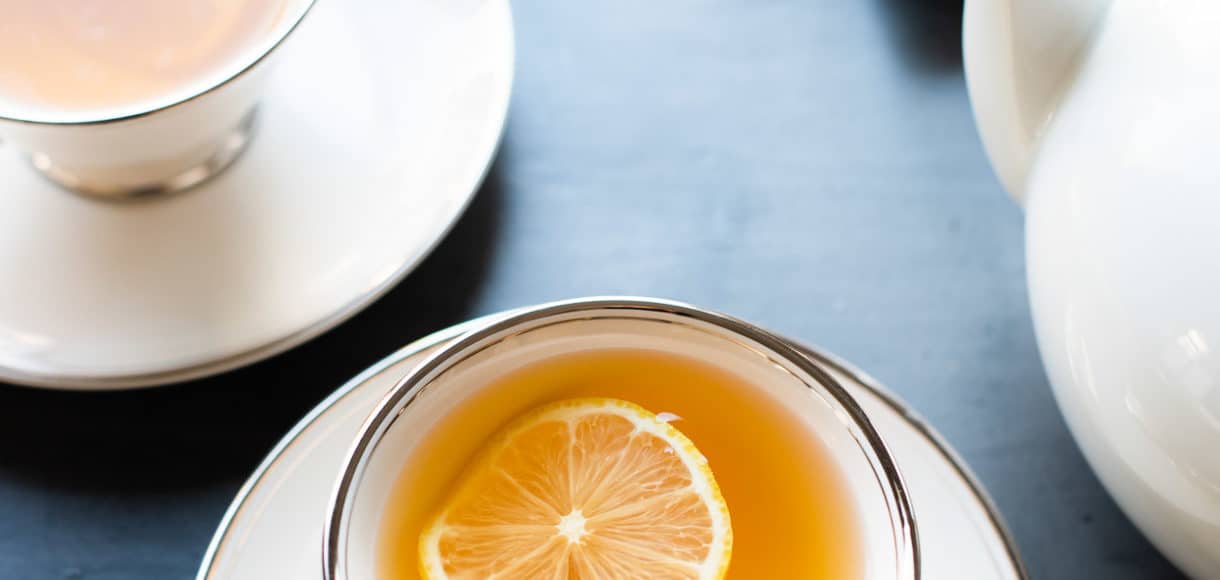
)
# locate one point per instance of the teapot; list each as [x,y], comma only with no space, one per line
[1103,118]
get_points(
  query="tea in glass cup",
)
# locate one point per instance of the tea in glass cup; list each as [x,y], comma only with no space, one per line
[616,438]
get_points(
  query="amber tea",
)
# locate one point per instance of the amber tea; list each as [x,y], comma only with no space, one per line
[555,428]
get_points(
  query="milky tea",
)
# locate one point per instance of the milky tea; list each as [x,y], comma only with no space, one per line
[792,513]
[85,55]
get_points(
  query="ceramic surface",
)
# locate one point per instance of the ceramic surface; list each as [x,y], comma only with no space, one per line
[274,527]
[1116,163]
[145,146]
[376,128]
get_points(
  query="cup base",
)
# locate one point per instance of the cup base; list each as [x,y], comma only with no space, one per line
[227,150]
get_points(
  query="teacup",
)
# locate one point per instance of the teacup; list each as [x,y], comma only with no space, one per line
[452,378]
[165,143]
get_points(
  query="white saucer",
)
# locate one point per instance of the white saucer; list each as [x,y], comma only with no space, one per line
[273,529]
[379,122]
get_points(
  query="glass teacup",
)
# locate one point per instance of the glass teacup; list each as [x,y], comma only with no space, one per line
[446,383]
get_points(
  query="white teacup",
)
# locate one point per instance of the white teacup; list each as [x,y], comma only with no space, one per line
[888,539]
[158,145]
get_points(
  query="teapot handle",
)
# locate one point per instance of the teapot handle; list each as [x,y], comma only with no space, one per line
[1020,57]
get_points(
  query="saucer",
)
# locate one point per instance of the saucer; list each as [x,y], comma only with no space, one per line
[273,529]
[380,119]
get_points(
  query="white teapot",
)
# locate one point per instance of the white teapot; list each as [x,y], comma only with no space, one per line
[1104,117]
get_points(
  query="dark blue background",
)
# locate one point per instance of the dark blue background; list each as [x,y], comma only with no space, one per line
[808,165]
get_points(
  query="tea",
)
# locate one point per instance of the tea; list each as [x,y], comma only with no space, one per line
[792,515]
[74,55]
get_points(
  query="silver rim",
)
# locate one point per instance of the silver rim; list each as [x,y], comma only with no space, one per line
[184,99]
[279,345]
[440,337]
[226,521]
[885,469]
[227,150]
[927,432]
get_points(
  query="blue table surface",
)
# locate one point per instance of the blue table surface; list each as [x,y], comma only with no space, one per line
[810,165]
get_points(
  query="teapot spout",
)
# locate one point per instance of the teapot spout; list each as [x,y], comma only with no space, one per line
[1019,57]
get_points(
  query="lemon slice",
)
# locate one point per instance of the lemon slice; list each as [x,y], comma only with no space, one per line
[583,489]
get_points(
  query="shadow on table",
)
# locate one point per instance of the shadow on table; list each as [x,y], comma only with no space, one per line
[927,33]
[197,434]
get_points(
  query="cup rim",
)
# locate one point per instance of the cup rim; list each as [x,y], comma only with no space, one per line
[175,101]
[377,423]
